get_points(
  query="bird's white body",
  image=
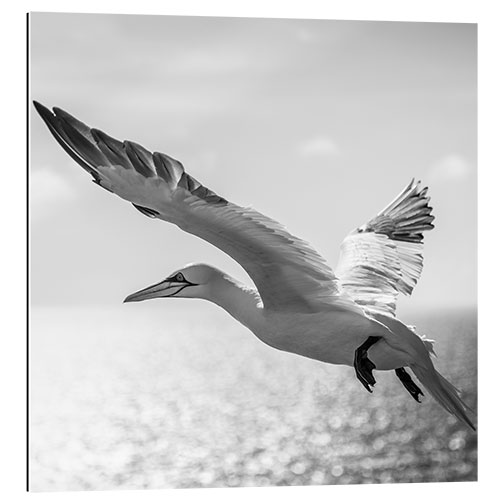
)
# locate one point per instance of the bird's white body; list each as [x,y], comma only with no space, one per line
[299,304]
[331,334]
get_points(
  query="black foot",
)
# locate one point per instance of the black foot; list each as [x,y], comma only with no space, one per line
[363,365]
[410,386]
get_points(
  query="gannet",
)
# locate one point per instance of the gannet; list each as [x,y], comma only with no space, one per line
[299,304]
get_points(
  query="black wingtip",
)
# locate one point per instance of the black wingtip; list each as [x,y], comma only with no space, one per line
[44,112]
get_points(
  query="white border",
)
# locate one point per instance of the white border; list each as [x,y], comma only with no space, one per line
[12,363]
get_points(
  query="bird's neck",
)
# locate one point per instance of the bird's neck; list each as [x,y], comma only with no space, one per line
[242,303]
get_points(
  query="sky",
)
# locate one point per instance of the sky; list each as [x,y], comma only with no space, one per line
[318,124]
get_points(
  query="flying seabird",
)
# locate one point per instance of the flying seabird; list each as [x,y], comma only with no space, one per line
[299,304]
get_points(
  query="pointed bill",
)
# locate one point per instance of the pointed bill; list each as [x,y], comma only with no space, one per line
[161,289]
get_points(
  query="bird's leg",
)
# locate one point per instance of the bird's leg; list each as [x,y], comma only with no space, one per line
[410,386]
[363,365]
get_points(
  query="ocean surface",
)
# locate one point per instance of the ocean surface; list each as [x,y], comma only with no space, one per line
[175,396]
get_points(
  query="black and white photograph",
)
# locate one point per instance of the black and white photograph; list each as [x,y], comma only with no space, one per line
[252,252]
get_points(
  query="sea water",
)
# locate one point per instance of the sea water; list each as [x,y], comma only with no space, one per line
[169,395]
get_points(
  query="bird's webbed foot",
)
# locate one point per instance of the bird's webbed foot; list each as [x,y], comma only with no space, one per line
[410,386]
[363,365]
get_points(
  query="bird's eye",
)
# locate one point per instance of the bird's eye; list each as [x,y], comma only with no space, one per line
[179,277]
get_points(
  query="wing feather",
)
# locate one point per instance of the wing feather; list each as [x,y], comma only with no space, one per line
[288,272]
[384,257]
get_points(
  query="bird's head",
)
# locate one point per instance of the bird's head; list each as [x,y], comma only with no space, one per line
[193,280]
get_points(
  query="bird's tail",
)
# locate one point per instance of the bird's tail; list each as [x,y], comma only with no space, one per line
[418,350]
[445,393]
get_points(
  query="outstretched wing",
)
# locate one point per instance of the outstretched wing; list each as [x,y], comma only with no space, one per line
[384,257]
[288,272]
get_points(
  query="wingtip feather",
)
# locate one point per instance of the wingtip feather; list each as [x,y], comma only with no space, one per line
[45,113]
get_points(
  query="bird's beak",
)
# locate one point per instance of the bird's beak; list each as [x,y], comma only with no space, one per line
[162,289]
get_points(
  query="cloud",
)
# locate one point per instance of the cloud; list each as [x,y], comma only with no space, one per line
[47,189]
[306,35]
[318,146]
[451,168]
